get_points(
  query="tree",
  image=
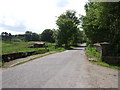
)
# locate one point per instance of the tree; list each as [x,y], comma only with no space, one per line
[111,21]
[78,37]
[91,25]
[35,37]
[68,27]
[55,35]
[47,35]
[6,36]
[19,37]
[101,24]
[29,36]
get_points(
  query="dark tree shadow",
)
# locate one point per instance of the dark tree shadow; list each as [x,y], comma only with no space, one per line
[76,49]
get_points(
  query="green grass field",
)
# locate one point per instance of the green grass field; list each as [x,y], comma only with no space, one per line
[13,47]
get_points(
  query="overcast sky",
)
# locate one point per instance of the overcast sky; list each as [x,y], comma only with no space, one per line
[18,16]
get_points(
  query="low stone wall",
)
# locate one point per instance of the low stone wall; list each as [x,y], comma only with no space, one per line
[113,60]
[13,56]
[104,50]
[98,48]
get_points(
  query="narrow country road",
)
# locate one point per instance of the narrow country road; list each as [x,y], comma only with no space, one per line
[68,69]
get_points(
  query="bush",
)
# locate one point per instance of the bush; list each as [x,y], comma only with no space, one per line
[92,52]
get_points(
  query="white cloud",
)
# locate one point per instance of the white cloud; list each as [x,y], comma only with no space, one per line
[10,31]
[36,15]
[62,3]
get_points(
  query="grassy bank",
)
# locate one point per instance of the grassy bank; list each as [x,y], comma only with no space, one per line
[13,47]
[52,47]
[96,58]
[0,63]
[91,52]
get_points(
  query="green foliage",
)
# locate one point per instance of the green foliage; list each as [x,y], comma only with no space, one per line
[12,47]
[105,64]
[53,47]
[1,64]
[47,35]
[90,24]
[68,27]
[18,38]
[92,52]
[55,35]
[101,24]
[6,36]
[29,36]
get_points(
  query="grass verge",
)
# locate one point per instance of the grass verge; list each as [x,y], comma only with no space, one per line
[1,63]
[35,58]
[105,64]
[13,47]
[91,53]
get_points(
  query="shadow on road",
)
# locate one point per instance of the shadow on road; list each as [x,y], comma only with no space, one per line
[77,49]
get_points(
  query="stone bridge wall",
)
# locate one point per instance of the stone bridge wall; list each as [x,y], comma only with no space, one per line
[103,48]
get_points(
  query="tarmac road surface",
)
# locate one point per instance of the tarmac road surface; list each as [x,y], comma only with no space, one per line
[68,69]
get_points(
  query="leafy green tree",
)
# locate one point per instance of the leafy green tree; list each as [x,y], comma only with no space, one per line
[55,35]
[47,35]
[29,36]
[91,25]
[68,27]
[77,38]
[111,20]
[101,23]
[35,37]
[6,36]
[18,37]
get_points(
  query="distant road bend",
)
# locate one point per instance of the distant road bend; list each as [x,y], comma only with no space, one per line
[68,69]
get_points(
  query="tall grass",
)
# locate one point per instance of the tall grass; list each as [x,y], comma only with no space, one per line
[92,52]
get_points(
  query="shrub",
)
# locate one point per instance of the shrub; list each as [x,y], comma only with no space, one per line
[92,52]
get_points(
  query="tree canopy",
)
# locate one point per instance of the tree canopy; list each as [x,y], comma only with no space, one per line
[6,36]
[29,36]
[68,27]
[101,23]
[47,35]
